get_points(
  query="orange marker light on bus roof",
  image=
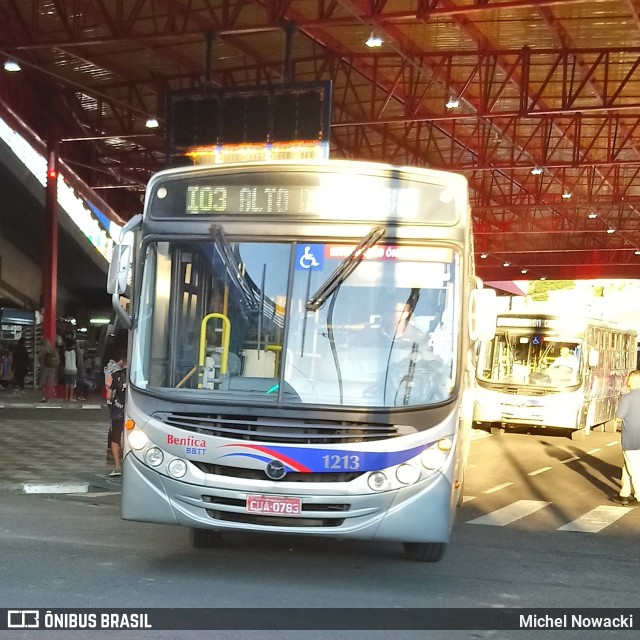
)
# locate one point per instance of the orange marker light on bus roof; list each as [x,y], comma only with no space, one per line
[129,424]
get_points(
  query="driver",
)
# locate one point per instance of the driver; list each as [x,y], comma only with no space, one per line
[565,359]
[416,375]
[398,325]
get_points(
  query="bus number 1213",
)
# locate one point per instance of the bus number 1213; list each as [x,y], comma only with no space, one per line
[346,462]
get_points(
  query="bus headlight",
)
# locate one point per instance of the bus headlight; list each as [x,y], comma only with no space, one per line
[154,457]
[433,458]
[407,473]
[137,439]
[177,468]
[378,481]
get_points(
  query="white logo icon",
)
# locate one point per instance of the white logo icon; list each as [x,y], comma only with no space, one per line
[23,619]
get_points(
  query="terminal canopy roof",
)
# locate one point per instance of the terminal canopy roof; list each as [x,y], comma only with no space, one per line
[536,102]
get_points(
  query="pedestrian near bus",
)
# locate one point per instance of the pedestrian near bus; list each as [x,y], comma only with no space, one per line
[70,370]
[116,396]
[628,418]
[49,361]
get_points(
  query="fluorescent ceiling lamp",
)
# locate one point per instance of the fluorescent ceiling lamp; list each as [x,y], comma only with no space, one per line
[537,171]
[506,264]
[11,65]
[592,215]
[523,270]
[152,123]
[566,195]
[373,40]
[99,321]
[452,103]
[610,230]
[484,256]
[637,252]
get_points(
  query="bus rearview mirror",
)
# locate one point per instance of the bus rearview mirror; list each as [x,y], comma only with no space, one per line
[483,314]
[119,269]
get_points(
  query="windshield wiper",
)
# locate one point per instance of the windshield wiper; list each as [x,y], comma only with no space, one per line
[231,264]
[344,269]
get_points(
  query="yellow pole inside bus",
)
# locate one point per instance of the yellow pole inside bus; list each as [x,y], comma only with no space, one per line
[226,337]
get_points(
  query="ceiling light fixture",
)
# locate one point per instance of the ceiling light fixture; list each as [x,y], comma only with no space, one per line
[452,103]
[543,278]
[524,270]
[506,264]
[566,195]
[611,230]
[637,252]
[151,123]
[374,40]
[11,66]
[484,256]
[537,171]
[592,215]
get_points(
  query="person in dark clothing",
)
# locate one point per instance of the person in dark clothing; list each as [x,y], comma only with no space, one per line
[116,396]
[21,365]
[628,417]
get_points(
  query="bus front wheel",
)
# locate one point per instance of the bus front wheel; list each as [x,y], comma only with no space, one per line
[204,538]
[424,551]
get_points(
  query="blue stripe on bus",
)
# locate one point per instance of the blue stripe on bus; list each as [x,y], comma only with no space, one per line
[328,460]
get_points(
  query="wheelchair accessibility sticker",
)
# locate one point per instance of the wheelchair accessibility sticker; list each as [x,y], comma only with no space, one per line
[310,257]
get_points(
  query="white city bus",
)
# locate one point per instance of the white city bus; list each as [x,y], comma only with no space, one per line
[552,371]
[301,351]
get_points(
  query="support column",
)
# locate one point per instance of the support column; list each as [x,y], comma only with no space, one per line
[50,264]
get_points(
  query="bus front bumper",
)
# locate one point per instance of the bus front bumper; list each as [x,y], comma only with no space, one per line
[422,512]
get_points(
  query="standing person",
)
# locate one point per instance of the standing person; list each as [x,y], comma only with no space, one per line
[116,396]
[49,361]
[20,364]
[628,414]
[111,367]
[84,384]
[108,371]
[70,370]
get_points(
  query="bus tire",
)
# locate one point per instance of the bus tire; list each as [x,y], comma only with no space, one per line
[424,551]
[204,538]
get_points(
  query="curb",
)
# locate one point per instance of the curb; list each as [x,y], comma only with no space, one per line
[63,487]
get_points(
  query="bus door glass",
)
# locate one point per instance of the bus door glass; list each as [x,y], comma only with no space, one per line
[212,318]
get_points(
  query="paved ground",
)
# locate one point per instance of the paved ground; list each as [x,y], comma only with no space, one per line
[53,443]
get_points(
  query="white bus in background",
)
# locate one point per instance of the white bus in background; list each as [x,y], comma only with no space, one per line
[552,371]
[301,352]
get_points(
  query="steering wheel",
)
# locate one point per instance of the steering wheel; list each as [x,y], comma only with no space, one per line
[539,378]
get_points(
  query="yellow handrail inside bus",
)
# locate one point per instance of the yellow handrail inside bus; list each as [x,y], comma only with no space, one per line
[226,337]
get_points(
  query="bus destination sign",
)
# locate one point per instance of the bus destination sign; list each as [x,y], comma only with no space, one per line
[328,197]
[300,200]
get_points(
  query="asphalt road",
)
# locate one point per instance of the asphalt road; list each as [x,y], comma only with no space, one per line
[537,530]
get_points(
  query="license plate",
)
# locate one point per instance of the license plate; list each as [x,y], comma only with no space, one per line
[274,505]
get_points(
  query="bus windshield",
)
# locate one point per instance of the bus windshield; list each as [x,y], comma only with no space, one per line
[230,321]
[515,358]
